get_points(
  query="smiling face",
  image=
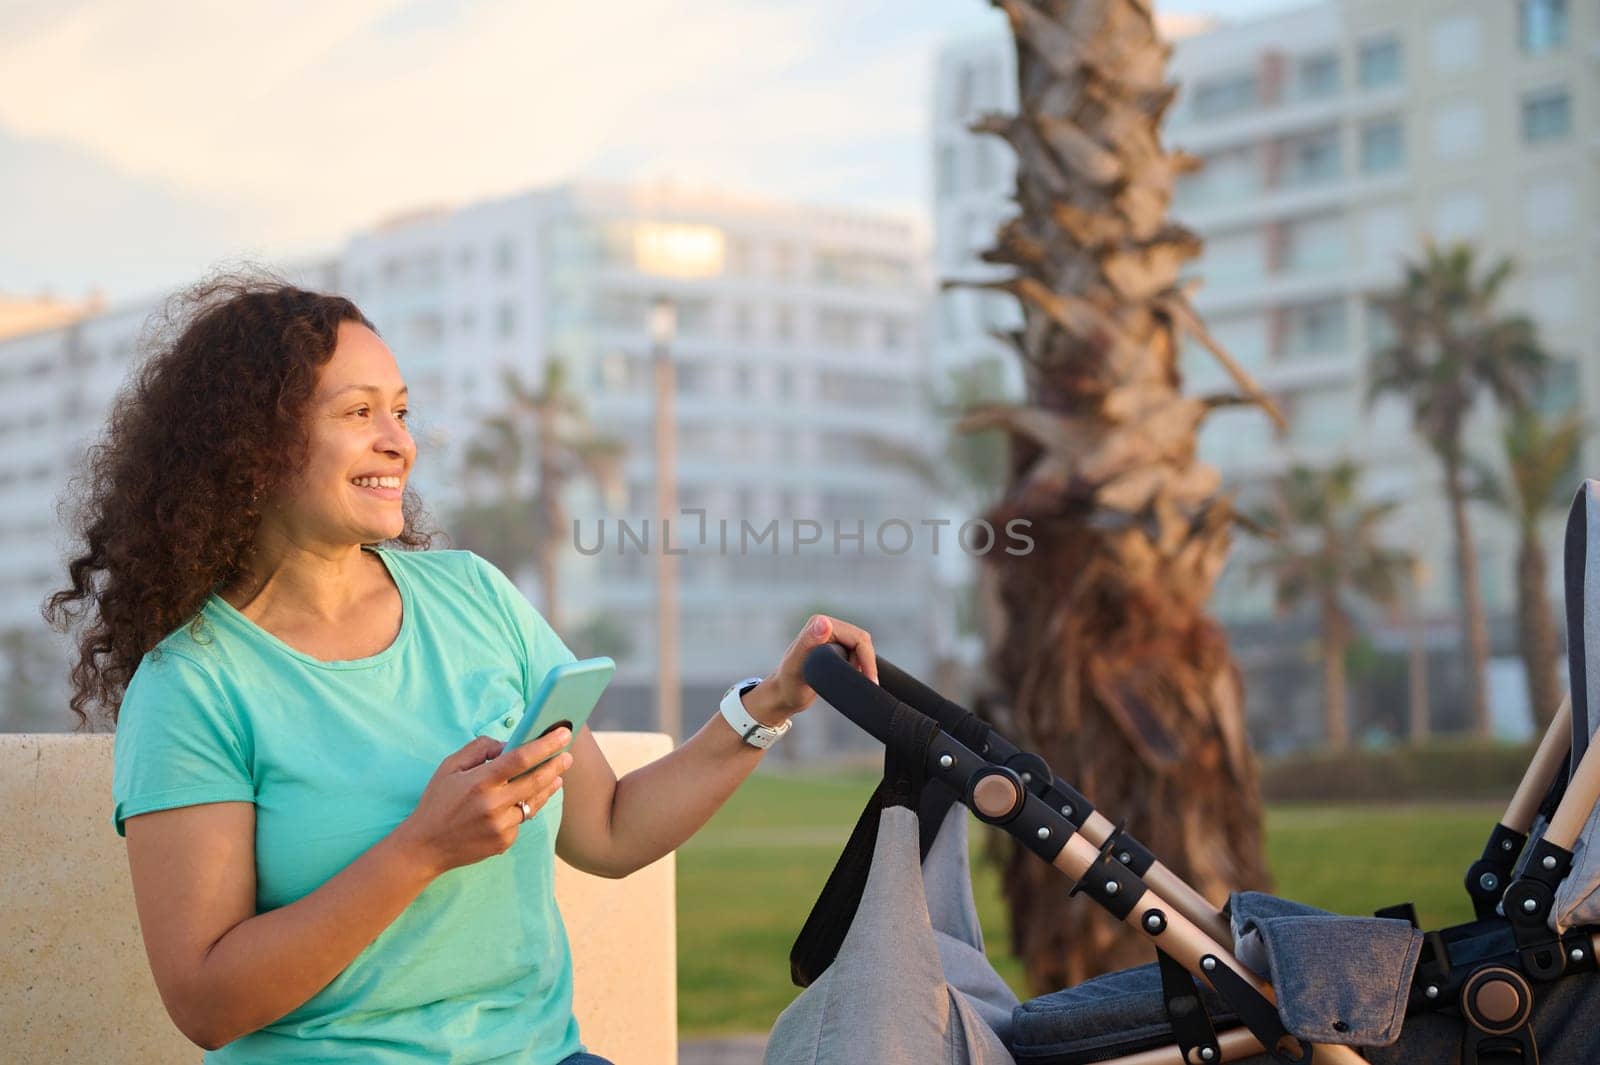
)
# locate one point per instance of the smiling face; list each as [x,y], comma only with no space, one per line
[359,450]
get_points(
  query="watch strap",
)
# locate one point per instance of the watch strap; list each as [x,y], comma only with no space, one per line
[749,729]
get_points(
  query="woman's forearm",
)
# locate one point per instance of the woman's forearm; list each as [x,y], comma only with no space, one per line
[267,966]
[658,806]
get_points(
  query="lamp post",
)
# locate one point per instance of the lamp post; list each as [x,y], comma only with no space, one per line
[683,252]
[663,329]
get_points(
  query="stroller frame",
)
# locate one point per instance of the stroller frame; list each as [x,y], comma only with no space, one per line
[1486,967]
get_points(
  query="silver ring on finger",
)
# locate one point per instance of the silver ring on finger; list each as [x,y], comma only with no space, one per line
[527,811]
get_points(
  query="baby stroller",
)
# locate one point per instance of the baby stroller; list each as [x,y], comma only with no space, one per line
[1264,980]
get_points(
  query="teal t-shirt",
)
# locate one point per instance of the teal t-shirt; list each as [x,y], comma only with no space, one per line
[335,755]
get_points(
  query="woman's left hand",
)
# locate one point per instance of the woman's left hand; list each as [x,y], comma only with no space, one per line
[785,692]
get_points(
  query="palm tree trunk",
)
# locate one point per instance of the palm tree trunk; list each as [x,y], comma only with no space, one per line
[1536,630]
[1419,727]
[1474,625]
[1106,663]
[1335,702]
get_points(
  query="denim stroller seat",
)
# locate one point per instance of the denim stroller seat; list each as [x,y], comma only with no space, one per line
[892,963]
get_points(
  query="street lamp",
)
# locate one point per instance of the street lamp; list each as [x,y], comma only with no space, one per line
[669,698]
[680,252]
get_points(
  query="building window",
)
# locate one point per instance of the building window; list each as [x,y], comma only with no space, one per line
[837,328]
[783,324]
[1383,146]
[1314,158]
[1459,216]
[1456,42]
[505,257]
[1458,130]
[1550,205]
[1546,116]
[1542,25]
[1315,330]
[1316,243]
[505,320]
[966,90]
[1226,96]
[1381,62]
[1318,76]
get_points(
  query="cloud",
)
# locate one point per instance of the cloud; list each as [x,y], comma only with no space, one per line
[327,115]
[76,221]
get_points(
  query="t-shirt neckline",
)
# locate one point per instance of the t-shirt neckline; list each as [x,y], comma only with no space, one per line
[407,622]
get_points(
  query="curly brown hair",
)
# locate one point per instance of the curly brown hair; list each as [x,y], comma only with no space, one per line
[167,503]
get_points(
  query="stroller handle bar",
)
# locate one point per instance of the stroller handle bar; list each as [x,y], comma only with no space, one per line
[967,727]
[998,795]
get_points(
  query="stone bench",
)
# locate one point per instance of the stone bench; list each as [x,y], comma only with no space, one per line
[75,982]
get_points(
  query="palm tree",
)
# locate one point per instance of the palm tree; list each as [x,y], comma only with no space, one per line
[1540,456]
[1101,655]
[1452,347]
[1325,548]
[545,430]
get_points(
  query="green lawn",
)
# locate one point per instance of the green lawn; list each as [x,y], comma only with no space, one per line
[748,879]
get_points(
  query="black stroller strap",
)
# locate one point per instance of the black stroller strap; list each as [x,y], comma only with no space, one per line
[1191,1026]
[904,777]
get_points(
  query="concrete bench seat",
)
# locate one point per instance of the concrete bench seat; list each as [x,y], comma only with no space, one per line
[75,983]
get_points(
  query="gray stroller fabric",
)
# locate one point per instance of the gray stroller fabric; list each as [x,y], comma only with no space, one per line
[910,984]
[1105,1015]
[1578,896]
[1338,979]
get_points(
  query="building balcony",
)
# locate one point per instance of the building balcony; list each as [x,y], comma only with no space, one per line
[1257,206]
[1276,120]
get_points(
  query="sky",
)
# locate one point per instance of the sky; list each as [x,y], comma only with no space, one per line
[143,141]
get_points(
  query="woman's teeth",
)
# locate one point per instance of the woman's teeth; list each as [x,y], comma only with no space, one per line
[376,482]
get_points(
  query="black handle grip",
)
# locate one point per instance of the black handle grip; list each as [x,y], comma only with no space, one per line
[919,696]
[849,691]
[951,716]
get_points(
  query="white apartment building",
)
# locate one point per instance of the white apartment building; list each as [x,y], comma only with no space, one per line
[1335,137]
[800,341]
[799,346]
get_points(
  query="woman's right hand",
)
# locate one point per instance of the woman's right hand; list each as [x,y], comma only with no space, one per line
[468,811]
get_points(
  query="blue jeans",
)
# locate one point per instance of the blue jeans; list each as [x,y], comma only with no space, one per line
[582,1058]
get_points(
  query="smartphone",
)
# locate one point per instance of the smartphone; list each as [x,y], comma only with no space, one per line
[567,697]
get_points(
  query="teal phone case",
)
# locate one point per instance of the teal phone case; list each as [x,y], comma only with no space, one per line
[567,696]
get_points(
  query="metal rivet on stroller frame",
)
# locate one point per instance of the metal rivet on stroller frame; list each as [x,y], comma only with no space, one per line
[1206,1053]
[946,761]
[1155,922]
[1043,833]
[1577,954]
[1505,844]
[1066,811]
[1112,887]
[1431,991]
[1530,905]
[1488,881]
[1549,861]
[1208,963]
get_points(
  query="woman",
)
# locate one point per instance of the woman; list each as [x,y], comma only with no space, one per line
[327,865]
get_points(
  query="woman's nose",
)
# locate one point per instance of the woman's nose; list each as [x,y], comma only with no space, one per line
[395,437]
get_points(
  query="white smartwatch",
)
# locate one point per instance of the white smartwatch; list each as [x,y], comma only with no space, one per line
[749,729]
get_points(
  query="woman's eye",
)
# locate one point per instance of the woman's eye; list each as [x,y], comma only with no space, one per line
[360,410]
[402,414]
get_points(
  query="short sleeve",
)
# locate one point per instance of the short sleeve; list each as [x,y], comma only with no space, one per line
[178,742]
[537,643]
